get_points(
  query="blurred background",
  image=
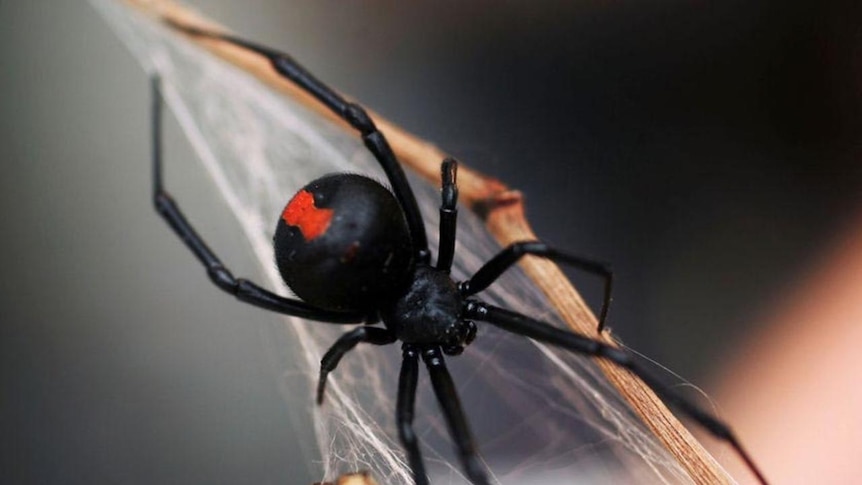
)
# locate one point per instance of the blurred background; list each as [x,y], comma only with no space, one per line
[708,150]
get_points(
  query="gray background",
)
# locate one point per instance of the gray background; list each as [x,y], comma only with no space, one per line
[709,151]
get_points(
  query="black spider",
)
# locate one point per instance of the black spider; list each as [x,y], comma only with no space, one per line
[354,252]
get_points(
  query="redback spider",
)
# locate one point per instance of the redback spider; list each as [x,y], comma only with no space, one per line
[356,253]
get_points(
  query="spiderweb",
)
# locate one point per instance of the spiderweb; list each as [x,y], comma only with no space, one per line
[538,415]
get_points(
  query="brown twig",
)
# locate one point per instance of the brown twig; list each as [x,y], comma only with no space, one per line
[361,478]
[503,211]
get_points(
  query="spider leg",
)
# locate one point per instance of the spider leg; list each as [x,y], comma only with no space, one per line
[448,213]
[544,332]
[346,343]
[404,413]
[510,255]
[447,396]
[243,289]
[352,113]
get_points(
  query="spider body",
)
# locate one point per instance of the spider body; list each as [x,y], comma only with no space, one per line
[430,312]
[354,252]
[342,244]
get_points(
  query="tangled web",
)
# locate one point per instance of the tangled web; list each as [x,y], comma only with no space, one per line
[538,415]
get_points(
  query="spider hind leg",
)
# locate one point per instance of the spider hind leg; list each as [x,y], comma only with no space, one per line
[243,289]
[346,343]
[351,113]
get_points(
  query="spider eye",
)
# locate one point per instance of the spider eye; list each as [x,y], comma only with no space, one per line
[460,336]
[342,243]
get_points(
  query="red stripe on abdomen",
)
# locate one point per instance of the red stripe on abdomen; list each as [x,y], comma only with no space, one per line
[302,213]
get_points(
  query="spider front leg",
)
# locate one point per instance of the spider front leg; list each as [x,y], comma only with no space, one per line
[447,396]
[544,332]
[242,289]
[404,413]
[506,258]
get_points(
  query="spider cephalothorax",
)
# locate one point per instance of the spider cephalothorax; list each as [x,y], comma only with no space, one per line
[353,251]
[430,312]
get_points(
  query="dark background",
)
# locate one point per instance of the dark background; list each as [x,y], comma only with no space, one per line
[709,150]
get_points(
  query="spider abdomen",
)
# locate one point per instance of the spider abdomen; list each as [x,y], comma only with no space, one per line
[342,243]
